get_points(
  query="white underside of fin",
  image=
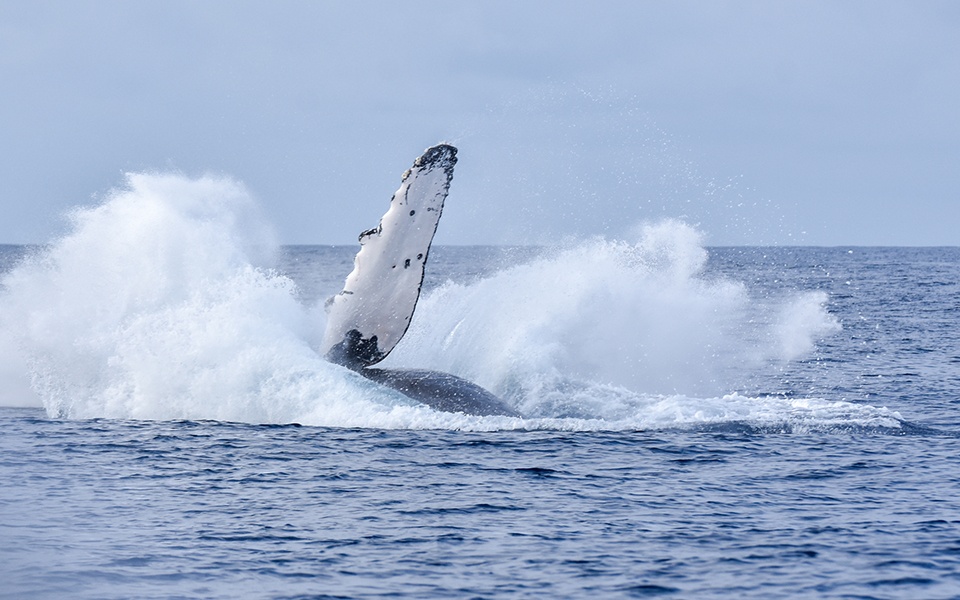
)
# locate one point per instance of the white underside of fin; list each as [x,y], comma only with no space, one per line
[367,319]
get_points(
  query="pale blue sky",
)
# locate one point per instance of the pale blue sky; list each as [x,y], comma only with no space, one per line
[825,123]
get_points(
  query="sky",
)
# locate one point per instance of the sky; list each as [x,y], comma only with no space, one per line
[760,123]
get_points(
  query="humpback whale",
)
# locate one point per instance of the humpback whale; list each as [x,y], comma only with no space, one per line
[369,317]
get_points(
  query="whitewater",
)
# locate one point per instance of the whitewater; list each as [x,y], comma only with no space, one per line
[166,302]
[697,421]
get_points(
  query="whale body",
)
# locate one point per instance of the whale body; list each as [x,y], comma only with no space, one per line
[441,391]
[370,316]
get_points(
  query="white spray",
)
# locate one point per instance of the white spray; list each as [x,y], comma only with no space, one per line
[161,304]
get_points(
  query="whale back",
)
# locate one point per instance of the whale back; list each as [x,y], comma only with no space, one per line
[368,318]
[441,391]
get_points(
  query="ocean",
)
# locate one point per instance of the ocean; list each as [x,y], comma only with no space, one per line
[699,422]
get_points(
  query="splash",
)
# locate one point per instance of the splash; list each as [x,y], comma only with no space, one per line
[163,303]
[582,331]
[613,330]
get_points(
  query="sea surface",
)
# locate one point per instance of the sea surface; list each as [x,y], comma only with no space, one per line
[698,422]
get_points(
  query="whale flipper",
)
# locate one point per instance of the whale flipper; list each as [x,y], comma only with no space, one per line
[367,319]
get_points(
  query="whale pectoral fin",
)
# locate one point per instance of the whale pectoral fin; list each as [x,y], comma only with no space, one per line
[369,317]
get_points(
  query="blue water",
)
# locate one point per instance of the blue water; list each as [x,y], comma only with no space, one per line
[789,431]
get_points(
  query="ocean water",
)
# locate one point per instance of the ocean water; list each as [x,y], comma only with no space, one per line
[698,422]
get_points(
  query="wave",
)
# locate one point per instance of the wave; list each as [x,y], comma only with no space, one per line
[163,302]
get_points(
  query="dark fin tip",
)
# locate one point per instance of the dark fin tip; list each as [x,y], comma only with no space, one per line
[440,155]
